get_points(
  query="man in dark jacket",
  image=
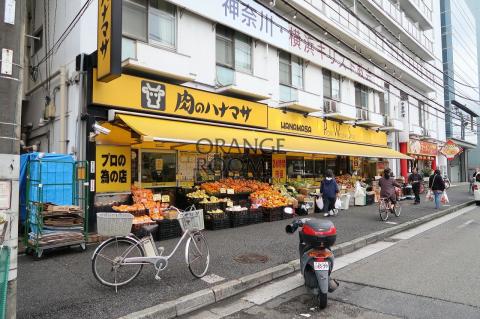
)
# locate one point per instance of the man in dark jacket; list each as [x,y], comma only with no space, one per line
[415,179]
[329,190]
[437,185]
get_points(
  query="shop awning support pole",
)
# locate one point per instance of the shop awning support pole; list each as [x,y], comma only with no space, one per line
[63,106]
[403,162]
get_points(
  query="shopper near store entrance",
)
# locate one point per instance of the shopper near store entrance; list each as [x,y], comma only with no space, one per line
[437,185]
[415,179]
[387,187]
[329,191]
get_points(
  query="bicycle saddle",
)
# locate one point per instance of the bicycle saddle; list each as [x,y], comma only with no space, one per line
[148,229]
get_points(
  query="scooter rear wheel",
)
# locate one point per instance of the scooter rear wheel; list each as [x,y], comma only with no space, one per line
[322,300]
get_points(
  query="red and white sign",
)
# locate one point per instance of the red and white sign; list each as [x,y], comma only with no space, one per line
[451,149]
[422,148]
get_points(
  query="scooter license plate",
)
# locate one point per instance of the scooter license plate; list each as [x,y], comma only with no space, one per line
[321,265]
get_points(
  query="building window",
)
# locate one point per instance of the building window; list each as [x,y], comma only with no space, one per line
[361,96]
[291,70]
[162,23]
[233,49]
[38,40]
[331,85]
[152,21]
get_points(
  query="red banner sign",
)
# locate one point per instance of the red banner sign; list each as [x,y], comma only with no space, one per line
[422,148]
[451,149]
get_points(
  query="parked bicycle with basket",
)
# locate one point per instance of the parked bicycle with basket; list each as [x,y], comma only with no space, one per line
[120,259]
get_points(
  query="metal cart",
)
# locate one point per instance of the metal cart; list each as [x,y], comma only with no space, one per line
[55,182]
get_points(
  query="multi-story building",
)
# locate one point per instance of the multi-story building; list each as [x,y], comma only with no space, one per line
[461,97]
[474,155]
[365,74]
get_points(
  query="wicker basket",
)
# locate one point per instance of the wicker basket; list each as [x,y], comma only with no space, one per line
[114,224]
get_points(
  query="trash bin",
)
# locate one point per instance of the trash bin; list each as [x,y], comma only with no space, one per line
[345,199]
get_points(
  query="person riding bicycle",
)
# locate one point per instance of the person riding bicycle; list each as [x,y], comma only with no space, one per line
[387,187]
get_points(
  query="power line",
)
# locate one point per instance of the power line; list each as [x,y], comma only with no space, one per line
[359,53]
[392,46]
[347,58]
[389,31]
[445,74]
[65,34]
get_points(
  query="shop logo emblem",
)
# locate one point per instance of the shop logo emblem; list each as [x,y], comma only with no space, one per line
[153,96]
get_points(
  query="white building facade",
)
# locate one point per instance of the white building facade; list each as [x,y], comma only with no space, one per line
[370,63]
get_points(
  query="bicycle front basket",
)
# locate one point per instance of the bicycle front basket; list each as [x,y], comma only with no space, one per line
[114,224]
[192,220]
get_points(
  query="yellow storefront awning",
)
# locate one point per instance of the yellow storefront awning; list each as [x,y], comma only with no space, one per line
[211,136]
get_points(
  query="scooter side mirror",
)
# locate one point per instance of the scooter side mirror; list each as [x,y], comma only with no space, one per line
[290,229]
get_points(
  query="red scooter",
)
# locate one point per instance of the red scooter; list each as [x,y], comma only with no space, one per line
[316,258]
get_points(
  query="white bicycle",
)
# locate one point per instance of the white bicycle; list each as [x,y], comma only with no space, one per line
[120,259]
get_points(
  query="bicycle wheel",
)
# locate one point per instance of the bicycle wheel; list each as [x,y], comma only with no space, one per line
[383,211]
[107,261]
[197,254]
[397,209]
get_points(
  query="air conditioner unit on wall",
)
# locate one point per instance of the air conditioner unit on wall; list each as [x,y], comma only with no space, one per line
[329,106]
[362,114]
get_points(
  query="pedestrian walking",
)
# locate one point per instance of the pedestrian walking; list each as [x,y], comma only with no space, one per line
[415,179]
[329,192]
[437,185]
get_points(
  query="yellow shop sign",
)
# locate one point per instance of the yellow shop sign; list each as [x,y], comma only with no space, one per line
[112,168]
[317,127]
[145,95]
[109,38]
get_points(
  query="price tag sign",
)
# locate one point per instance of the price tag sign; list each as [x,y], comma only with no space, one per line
[157,197]
[230,191]
[165,198]
[229,204]
[223,190]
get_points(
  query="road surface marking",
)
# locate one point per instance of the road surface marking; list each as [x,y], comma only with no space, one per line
[468,222]
[391,223]
[212,278]
[434,223]
[266,293]
[271,291]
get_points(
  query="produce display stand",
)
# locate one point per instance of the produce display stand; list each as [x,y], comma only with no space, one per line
[56,204]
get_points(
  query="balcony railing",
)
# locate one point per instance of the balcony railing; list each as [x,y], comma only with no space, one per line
[346,21]
[426,10]
[407,25]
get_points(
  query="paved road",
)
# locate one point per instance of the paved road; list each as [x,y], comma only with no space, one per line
[432,275]
[62,286]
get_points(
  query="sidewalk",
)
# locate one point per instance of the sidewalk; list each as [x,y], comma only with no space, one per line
[62,285]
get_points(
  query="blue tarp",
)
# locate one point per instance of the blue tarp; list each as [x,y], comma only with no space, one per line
[51,180]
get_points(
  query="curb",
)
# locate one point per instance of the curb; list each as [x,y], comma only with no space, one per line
[206,297]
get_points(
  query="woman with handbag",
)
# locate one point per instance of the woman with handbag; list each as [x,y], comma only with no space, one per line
[329,192]
[437,185]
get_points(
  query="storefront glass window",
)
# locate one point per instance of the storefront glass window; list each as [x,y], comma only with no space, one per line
[295,166]
[319,167]
[309,168]
[158,167]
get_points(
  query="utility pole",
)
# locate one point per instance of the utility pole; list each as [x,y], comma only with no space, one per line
[12,45]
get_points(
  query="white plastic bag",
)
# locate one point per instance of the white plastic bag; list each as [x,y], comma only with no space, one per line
[338,203]
[320,203]
[430,195]
[444,198]
[359,190]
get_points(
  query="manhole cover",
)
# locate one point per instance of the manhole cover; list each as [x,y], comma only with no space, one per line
[251,259]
